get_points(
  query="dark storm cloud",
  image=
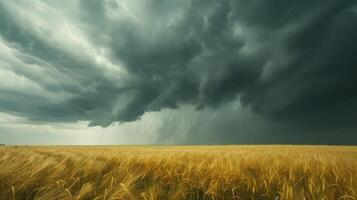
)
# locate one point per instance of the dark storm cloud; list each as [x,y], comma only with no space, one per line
[109,61]
[318,84]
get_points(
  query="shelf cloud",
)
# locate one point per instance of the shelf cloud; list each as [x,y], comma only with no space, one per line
[288,62]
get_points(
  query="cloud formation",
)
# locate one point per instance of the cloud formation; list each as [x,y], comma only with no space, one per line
[114,60]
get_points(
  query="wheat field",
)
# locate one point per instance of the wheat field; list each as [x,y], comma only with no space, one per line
[178,172]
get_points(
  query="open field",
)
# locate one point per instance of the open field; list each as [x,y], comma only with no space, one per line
[178,172]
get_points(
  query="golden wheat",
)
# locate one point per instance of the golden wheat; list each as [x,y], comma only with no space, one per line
[185,172]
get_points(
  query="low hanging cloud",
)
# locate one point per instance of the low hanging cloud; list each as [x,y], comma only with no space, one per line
[114,60]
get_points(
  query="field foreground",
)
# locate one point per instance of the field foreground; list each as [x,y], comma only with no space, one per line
[184,172]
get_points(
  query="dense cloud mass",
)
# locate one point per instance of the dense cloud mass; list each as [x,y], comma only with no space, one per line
[292,62]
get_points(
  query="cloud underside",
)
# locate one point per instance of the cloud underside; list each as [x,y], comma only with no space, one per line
[112,61]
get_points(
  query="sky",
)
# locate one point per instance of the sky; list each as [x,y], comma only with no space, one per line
[178,72]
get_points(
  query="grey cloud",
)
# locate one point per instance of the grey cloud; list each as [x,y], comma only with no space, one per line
[318,84]
[292,63]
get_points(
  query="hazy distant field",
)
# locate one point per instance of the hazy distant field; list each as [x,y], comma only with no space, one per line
[202,172]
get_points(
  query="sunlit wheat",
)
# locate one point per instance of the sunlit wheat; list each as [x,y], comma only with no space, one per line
[184,172]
